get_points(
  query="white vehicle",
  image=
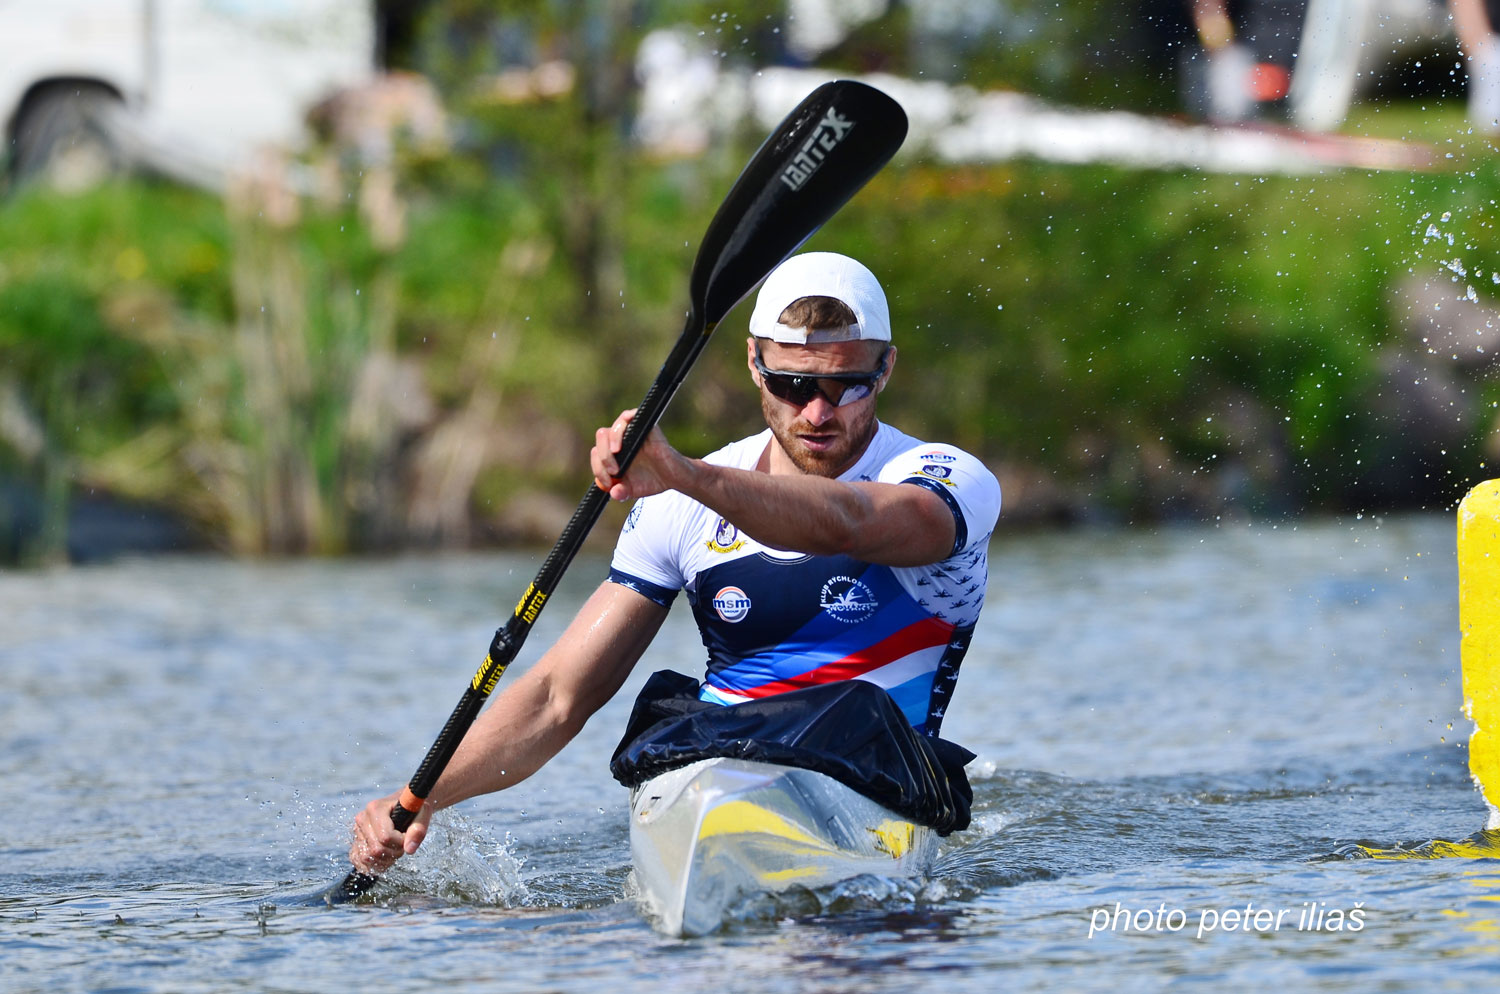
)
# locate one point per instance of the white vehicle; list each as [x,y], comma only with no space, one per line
[187,87]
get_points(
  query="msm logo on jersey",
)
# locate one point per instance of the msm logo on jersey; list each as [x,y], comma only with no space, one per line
[731,604]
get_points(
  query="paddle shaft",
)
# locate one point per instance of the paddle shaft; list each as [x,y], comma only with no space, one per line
[510,636]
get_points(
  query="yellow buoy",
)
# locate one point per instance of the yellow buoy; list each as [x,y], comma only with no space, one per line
[1479,621]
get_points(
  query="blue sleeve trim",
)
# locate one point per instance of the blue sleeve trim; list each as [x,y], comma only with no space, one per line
[652,592]
[960,527]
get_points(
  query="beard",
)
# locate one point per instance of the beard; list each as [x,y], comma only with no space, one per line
[850,434]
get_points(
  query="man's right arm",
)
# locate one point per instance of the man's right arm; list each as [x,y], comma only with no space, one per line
[530,721]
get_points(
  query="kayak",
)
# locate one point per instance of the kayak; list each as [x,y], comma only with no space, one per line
[708,836]
[797,790]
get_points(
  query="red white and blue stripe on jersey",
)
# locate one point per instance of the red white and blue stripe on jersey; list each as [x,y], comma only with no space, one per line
[790,623]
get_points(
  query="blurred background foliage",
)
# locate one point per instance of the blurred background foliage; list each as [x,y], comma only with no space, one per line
[416,354]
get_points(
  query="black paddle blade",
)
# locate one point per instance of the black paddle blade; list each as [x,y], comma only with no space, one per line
[354,886]
[818,158]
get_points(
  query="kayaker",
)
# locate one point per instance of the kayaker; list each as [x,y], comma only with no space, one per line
[828,547]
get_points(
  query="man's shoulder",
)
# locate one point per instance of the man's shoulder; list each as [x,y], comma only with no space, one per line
[971,489]
[742,454]
[891,445]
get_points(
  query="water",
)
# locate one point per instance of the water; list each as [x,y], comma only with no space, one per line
[1190,721]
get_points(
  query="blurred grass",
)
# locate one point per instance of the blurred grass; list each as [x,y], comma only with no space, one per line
[1121,343]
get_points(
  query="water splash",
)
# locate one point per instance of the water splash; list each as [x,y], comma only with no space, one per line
[460,863]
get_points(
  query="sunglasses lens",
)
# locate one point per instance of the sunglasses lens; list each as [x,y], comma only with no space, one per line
[800,389]
[858,391]
[792,389]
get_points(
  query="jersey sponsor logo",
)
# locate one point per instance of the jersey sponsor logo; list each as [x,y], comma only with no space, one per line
[938,474]
[937,457]
[726,538]
[731,604]
[847,599]
[634,516]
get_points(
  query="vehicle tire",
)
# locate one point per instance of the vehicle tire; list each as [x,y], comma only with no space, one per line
[68,136]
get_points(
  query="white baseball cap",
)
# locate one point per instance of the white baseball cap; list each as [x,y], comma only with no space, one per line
[821,274]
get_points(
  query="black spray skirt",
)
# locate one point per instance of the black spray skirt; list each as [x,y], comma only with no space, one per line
[851,731]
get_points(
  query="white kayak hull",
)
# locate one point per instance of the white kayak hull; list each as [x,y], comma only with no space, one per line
[708,836]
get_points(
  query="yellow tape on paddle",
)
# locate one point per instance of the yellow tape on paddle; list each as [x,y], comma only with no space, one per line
[1479,621]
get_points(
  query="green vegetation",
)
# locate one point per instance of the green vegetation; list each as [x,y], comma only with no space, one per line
[313,375]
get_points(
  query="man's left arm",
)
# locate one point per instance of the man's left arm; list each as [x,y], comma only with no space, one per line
[889,523]
[884,523]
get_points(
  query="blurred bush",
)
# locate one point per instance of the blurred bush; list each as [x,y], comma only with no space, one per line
[415,351]
[1126,344]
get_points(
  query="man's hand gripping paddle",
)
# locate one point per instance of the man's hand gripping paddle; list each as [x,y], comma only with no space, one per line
[815,160]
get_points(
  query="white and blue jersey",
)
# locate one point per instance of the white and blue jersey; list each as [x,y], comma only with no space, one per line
[775,621]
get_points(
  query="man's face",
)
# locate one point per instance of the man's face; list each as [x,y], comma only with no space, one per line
[820,437]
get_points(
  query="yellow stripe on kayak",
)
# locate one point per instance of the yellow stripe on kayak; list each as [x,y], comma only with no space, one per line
[895,837]
[1479,621]
[745,818]
[1480,845]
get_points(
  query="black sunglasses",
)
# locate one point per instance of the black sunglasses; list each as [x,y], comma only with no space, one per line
[838,389]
